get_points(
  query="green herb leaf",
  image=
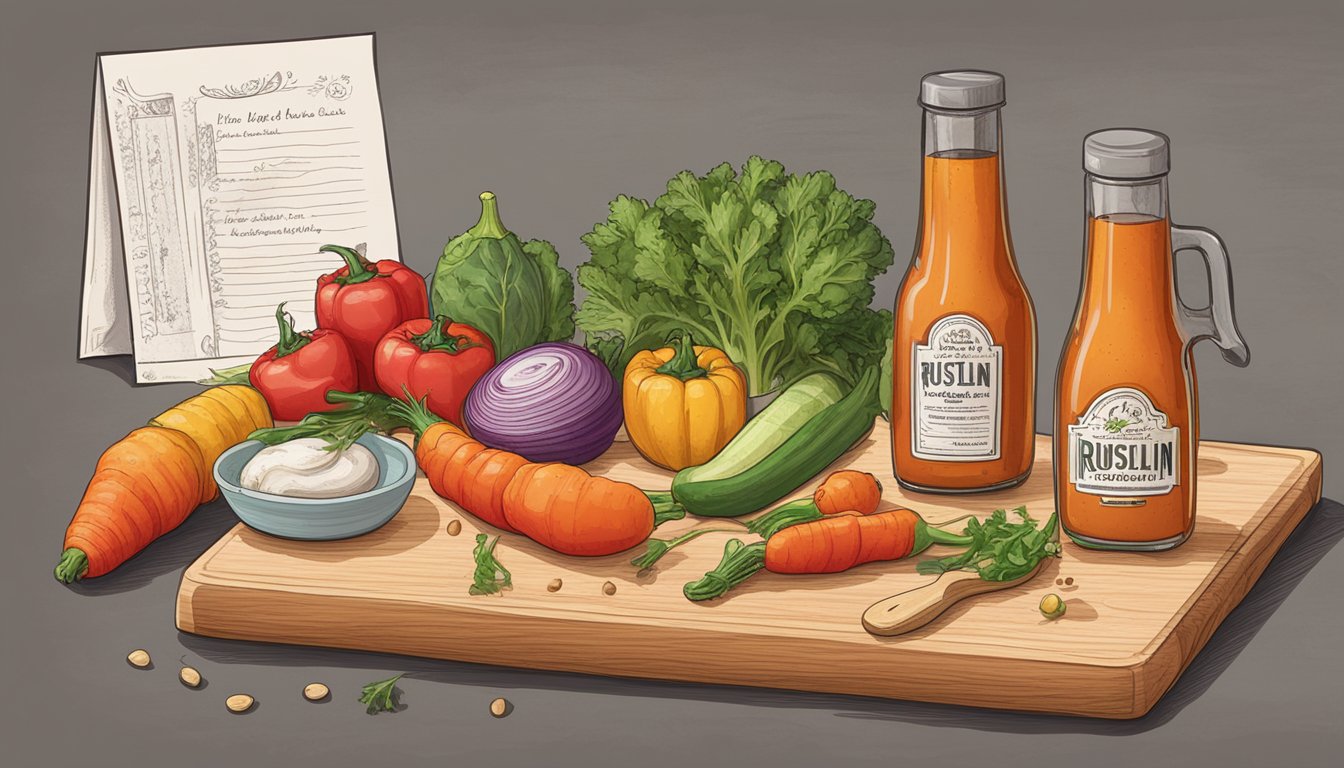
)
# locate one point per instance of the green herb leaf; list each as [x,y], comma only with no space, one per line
[382,696]
[1001,549]
[490,576]
[238,374]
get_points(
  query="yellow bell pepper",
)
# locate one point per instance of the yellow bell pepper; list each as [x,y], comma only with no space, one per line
[683,404]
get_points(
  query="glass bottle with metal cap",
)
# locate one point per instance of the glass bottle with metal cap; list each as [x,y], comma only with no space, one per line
[964,354]
[1126,408]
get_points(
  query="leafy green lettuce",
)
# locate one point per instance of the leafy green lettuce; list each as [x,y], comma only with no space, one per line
[774,269]
[515,292]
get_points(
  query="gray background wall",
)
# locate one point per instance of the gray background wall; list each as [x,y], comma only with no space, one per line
[559,107]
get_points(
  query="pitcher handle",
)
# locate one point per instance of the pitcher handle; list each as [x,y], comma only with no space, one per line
[1217,320]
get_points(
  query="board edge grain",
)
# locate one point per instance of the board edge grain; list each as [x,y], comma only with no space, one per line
[1162,666]
[624,651]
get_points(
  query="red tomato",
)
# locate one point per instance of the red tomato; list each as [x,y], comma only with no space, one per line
[435,359]
[295,375]
[364,300]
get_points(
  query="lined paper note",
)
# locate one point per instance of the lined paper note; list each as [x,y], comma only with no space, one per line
[233,166]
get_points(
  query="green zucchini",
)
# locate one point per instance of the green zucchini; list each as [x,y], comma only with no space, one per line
[770,428]
[807,432]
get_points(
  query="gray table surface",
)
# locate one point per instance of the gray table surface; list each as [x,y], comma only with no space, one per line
[559,107]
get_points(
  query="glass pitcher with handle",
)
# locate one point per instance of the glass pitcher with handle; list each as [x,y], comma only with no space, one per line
[1126,431]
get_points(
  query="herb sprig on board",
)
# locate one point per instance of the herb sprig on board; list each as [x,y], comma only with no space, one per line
[490,575]
[1002,549]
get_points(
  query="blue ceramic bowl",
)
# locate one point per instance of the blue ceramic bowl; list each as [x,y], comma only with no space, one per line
[320,519]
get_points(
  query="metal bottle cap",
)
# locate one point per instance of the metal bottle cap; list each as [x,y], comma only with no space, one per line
[1126,153]
[962,89]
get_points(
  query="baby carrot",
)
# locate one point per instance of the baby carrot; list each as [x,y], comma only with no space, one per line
[832,544]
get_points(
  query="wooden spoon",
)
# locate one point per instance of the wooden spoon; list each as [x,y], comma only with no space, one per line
[916,607]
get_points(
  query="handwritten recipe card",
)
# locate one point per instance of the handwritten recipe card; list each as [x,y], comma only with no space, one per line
[216,175]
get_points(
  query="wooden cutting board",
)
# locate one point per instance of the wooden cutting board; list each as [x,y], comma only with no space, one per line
[1134,621]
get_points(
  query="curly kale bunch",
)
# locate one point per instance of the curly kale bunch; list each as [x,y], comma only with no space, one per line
[775,269]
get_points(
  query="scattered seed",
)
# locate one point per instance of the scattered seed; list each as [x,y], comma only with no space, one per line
[139,658]
[1069,581]
[555,585]
[1052,606]
[189,677]
[1058,582]
[239,703]
[500,707]
[455,527]
[608,588]
[316,692]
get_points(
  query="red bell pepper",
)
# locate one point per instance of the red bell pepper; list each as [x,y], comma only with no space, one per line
[295,375]
[363,301]
[435,360]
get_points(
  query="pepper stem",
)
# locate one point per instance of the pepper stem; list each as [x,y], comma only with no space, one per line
[74,564]
[359,266]
[489,226]
[683,364]
[436,340]
[290,341]
[739,562]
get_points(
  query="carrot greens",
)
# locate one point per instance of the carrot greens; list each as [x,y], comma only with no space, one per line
[1002,549]
[659,547]
[360,412]
[490,576]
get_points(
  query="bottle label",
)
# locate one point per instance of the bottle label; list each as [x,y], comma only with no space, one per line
[957,398]
[1124,446]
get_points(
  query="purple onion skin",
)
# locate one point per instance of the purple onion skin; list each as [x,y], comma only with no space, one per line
[549,402]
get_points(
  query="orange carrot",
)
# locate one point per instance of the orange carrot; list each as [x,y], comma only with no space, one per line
[848,489]
[559,506]
[148,482]
[842,491]
[841,542]
[830,545]
[144,486]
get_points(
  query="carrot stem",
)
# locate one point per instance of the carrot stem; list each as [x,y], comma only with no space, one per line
[739,562]
[941,536]
[361,412]
[665,508]
[659,547]
[74,564]
[927,535]
[783,516]
[414,412]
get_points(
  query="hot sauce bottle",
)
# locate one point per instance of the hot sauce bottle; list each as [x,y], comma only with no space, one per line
[1126,435]
[964,360]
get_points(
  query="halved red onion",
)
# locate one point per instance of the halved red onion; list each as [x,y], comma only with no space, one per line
[550,402]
